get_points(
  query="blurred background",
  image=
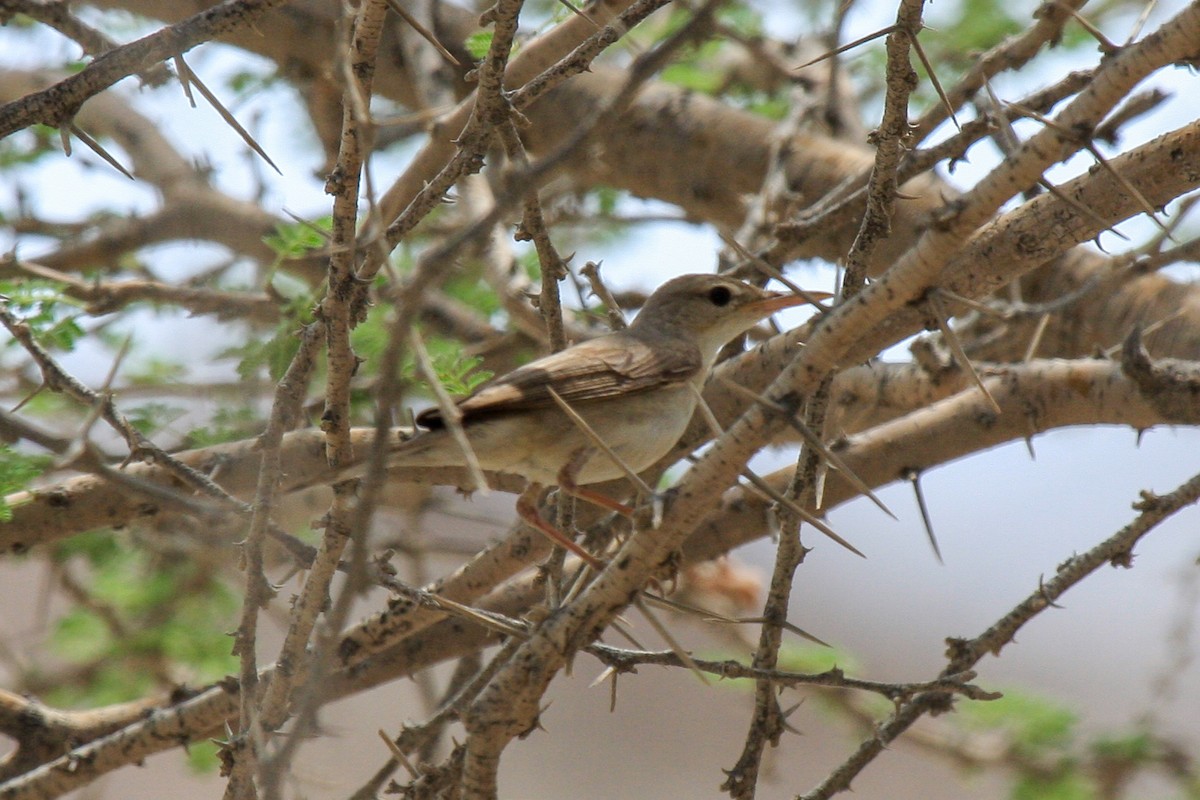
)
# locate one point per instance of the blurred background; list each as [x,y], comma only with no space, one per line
[1116,661]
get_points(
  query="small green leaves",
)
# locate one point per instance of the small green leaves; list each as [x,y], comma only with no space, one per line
[273,354]
[1067,786]
[298,239]
[16,471]
[805,657]
[226,425]
[28,147]
[475,293]
[478,44]
[147,617]
[696,73]
[50,314]
[1032,722]
[457,372]
[151,417]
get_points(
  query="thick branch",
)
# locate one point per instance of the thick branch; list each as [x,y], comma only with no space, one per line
[58,104]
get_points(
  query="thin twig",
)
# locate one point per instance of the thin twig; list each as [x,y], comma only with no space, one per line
[616,320]
[625,660]
[767,489]
[964,654]
[57,103]
[1095,151]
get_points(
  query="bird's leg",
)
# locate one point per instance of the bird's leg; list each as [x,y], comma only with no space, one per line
[527,510]
[566,482]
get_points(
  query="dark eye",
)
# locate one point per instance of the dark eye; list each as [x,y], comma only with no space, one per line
[720,295]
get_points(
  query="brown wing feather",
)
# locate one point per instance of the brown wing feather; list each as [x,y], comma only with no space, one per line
[592,370]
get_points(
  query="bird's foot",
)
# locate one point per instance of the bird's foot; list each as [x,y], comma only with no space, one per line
[527,510]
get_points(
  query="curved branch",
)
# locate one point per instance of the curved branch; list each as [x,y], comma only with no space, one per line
[1033,398]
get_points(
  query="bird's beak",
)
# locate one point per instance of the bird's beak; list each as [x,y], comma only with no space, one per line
[776,301]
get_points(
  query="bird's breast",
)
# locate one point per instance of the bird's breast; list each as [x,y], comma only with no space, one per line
[639,428]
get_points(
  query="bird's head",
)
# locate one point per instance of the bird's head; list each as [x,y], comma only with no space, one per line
[709,309]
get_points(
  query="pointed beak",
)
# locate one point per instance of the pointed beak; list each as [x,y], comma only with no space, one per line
[777,301]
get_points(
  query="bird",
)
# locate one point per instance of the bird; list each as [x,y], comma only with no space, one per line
[600,408]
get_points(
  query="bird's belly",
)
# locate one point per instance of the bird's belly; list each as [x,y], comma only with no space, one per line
[649,426]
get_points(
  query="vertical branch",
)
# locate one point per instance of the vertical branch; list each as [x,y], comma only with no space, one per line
[289,399]
[553,269]
[334,318]
[343,183]
[768,206]
[769,723]
[533,228]
[889,141]
[489,112]
[490,104]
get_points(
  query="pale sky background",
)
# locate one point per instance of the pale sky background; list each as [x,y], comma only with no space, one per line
[1003,520]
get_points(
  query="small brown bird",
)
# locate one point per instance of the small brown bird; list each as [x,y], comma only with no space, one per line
[631,388]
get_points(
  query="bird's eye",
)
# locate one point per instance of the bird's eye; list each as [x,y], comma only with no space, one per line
[720,295]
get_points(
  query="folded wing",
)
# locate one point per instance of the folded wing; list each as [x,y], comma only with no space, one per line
[594,370]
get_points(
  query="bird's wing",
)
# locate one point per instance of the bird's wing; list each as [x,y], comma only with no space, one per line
[615,364]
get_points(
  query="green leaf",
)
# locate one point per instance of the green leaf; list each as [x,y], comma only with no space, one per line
[528,261]
[370,338]
[97,547]
[459,373]
[273,354]
[478,44]
[291,288]
[803,657]
[50,314]
[202,757]
[474,293]
[770,107]
[226,425]
[154,371]
[151,417]
[1134,748]
[743,18]
[808,657]
[298,239]
[247,81]
[170,611]
[1031,722]
[981,24]
[80,636]
[28,147]
[607,199]
[693,75]
[110,682]
[17,470]
[1069,786]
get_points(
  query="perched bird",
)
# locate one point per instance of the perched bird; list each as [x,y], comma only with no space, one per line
[635,389]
